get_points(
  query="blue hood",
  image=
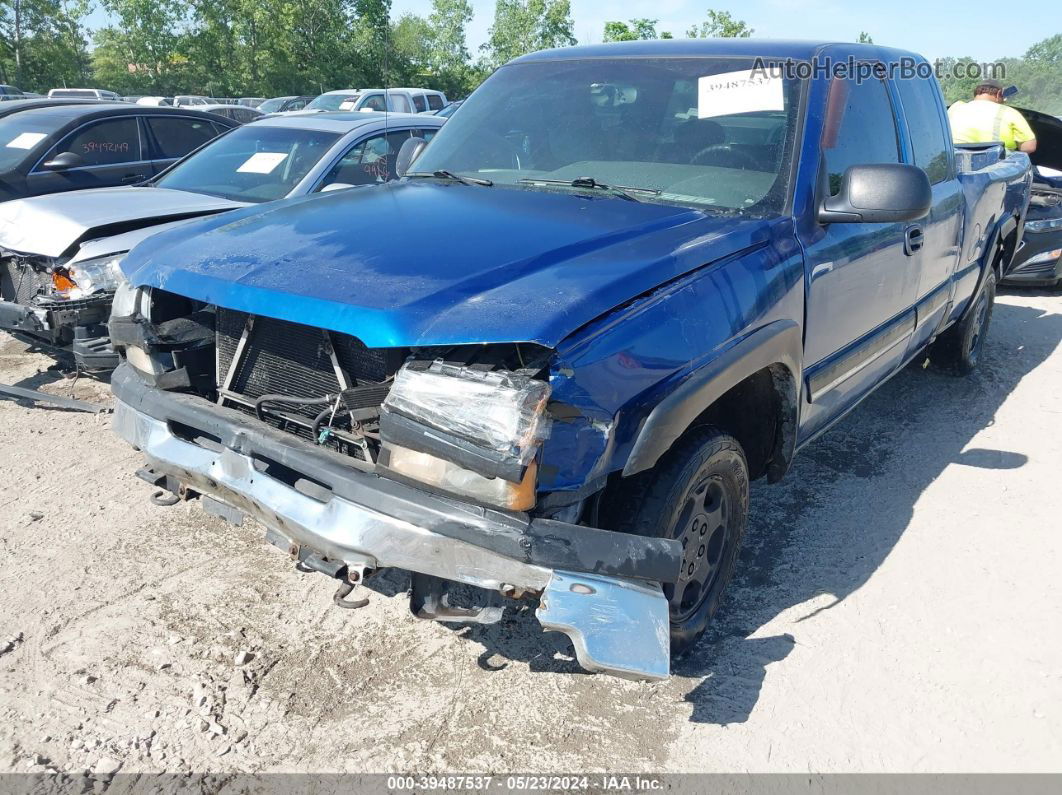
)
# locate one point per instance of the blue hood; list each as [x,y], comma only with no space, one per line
[429,263]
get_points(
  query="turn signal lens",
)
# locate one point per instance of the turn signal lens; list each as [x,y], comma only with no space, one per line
[455,480]
[62,281]
[1047,256]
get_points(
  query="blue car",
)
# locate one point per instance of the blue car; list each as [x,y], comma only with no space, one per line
[546,364]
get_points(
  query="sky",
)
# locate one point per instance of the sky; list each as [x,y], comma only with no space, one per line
[928,28]
[982,30]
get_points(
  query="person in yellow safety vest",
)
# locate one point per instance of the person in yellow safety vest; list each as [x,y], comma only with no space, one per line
[986,119]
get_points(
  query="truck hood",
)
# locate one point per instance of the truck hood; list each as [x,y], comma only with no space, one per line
[428,263]
[1048,132]
[51,225]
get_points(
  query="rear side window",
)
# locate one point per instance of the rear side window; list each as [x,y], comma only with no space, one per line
[176,137]
[419,103]
[374,102]
[435,102]
[104,143]
[860,128]
[928,141]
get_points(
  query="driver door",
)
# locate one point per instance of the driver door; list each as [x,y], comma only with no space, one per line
[862,284]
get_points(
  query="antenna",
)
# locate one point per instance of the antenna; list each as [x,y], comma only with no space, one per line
[387,83]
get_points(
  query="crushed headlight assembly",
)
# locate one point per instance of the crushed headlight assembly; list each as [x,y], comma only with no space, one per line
[469,432]
[90,276]
[129,301]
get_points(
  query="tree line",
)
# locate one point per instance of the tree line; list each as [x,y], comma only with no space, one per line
[264,47]
[230,48]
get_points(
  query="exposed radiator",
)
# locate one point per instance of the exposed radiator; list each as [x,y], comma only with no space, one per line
[282,358]
[21,283]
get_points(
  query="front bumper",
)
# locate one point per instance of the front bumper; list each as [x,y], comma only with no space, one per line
[17,317]
[80,324]
[600,588]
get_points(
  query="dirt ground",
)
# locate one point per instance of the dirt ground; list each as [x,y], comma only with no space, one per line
[898,607]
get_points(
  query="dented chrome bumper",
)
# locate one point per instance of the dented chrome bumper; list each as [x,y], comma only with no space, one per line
[602,589]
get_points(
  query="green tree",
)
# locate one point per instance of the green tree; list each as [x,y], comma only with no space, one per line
[1047,52]
[635,30]
[958,78]
[865,38]
[523,26]
[145,43]
[42,43]
[449,50]
[449,61]
[371,55]
[720,24]
[411,46]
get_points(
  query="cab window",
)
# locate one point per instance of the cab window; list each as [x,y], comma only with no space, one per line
[860,128]
[928,141]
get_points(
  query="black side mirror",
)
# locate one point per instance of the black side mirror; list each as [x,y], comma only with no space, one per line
[63,161]
[1009,92]
[410,151]
[879,194]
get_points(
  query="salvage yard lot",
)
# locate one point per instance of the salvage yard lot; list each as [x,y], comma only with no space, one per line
[896,608]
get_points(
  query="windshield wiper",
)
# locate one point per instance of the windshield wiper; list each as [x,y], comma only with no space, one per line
[444,174]
[622,191]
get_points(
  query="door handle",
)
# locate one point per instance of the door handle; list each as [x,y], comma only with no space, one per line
[913,238]
[128,178]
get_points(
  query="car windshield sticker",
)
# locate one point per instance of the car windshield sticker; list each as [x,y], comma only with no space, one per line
[739,92]
[26,140]
[262,162]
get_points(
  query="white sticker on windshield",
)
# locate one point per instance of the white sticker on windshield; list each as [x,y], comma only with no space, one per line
[26,140]
[262,162]
[739,92]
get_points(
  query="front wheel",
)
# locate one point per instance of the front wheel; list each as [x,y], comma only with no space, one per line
[958,350]
[697,494]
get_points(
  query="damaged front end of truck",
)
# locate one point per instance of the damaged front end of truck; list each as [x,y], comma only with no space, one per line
[359,459]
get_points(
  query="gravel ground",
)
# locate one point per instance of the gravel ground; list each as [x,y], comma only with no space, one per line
[897,608]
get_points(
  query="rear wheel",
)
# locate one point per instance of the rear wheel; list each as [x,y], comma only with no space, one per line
[958,350]
[697,494]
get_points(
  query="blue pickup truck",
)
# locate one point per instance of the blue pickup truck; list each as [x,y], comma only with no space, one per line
[620,284]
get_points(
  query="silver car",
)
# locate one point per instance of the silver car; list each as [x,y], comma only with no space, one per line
[60,255]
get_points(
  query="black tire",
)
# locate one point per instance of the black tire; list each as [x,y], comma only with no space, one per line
[699,491]
[958,350]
